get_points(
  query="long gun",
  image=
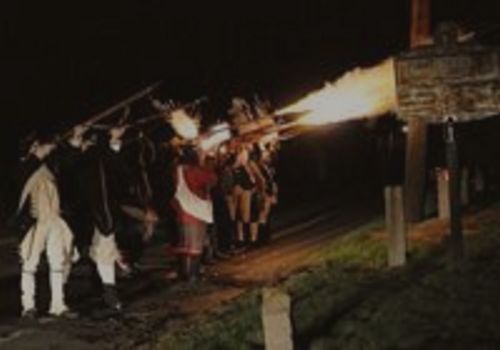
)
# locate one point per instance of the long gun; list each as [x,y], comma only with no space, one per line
[249,132]
[120,105]
[159,115]
[165,113]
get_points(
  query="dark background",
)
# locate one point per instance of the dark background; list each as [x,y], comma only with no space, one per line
[62,64]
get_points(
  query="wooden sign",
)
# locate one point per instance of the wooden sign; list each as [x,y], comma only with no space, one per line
[461,81]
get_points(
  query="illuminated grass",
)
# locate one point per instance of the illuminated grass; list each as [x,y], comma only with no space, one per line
[238,325]
[352,301]
[429,305]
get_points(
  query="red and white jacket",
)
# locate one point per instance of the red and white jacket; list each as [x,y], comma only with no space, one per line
[192,196]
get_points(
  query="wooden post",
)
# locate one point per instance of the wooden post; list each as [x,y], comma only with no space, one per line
[443,194]
[456,236]
[276,306]
[416,153]
[464,187]
[478,185]
[396,227]
[420,30]
[416,144]
[478,181]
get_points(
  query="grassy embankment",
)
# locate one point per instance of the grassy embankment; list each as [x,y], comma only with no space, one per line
[353,301]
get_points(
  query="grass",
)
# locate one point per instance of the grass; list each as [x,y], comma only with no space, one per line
[231,327]
[238,325]
[352,301]
[431,307]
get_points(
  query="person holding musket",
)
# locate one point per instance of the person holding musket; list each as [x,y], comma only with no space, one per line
[268,194]
[194,209]
[93,176]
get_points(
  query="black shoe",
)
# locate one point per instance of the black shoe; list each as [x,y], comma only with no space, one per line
[111,298]
[29,315]
[68,315]
[65,315]
[264,234]
[246,234]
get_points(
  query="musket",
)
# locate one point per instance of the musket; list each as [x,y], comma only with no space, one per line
[248,132]
[166,113]
[122,104]
[163,114]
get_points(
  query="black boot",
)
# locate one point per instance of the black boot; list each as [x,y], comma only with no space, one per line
[111,299]
[239,241]
[208,257]
[195,274]
[264,233]
[260,236]
[247,234]
[180,268]
[29,315]
[187,268]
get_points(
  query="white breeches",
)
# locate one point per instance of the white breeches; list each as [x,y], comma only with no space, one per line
[103,249]
[105,254]
[53,236]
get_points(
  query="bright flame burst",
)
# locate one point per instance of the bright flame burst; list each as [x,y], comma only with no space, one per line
[183,124]
[361,93]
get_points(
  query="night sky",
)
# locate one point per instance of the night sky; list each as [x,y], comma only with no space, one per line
[64,63]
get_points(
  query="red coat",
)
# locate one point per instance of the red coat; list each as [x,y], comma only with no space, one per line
[199,180]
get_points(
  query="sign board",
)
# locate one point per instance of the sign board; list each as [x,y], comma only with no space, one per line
[460,81]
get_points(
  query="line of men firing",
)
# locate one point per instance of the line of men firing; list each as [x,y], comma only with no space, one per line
[90,195]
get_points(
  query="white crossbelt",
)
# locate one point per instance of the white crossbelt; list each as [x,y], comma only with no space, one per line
[195,206]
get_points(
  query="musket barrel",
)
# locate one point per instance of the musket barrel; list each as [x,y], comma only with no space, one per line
[122,104]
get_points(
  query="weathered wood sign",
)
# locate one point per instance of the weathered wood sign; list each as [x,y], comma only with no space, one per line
[461,81]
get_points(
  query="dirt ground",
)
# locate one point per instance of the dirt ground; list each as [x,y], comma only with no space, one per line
[155,305]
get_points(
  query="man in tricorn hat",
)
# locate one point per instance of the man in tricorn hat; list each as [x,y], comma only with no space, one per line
[48,232]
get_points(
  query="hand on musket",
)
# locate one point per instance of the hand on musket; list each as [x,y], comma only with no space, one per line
[41,151]
[117,132]
[76,139]
[162,107]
